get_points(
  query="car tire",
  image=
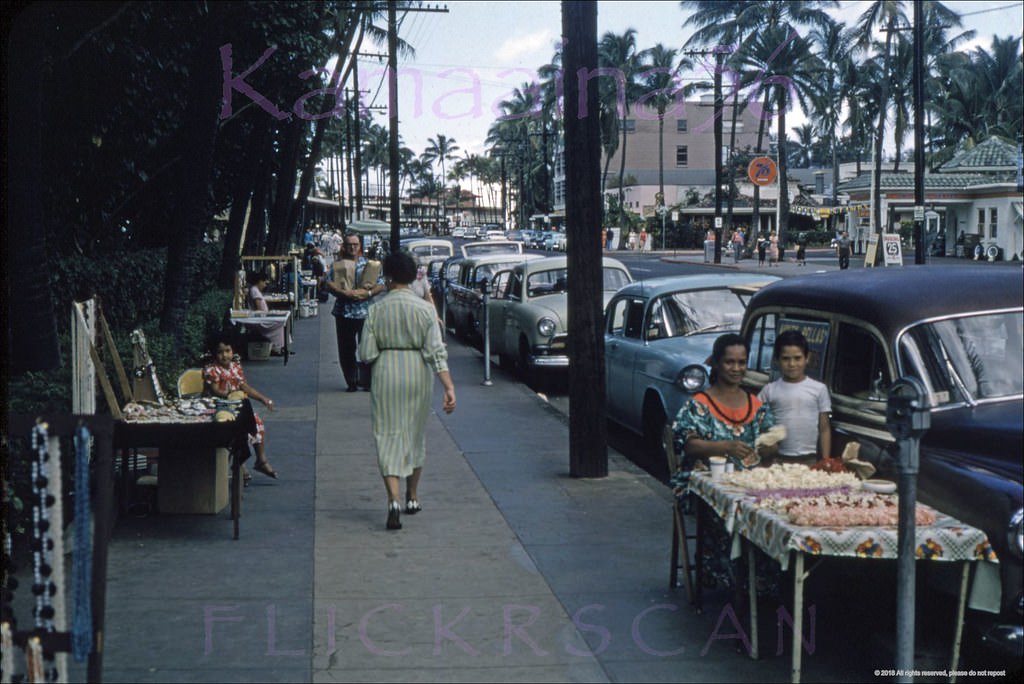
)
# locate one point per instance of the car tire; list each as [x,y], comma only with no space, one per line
[526,373]
[654,421]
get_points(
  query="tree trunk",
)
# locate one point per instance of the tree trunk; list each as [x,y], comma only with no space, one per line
[229,262]
[31,328]
[255,232]
[622,171]
[588,431]
[783,181]
[191,208]
[754,234]
[284,190]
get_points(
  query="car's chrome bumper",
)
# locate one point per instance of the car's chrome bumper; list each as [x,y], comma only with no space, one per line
[1005,639]
[549,361]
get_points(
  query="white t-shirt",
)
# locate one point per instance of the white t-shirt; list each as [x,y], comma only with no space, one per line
[797,406]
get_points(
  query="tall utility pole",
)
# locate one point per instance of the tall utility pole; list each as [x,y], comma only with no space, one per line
[588,431]
[393,156]
[919,169]
[719,51]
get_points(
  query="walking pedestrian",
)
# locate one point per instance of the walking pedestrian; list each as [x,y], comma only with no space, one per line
[843,250]
[773,249]
[402,341]
[351,305]
[737,245]
[762,251]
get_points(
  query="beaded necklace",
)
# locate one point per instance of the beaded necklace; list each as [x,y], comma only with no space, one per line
[736,425]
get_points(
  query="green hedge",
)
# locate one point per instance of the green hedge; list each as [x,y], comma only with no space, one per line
[130,288]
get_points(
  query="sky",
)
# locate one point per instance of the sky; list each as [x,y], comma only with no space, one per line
[471,57]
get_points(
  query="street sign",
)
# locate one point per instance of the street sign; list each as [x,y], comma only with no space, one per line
[675,215]
[919,213]
[718,222]
[762,171]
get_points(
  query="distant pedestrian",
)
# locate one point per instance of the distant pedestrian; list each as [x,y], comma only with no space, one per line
[773,249]
[632,239]
[643,239]
[737,245]
[611,238]
[801,249]
[843,250]
[762,251]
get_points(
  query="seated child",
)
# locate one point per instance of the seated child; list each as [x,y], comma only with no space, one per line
[224,377]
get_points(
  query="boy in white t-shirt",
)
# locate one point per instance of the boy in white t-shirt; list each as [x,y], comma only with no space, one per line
[800,403]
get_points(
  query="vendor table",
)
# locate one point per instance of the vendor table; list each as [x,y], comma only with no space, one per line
[265,321]
[194,434]
[947,539]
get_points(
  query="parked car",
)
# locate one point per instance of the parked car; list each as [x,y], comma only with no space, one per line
[459,232]
[491,247]
[426,250]
[658,334]
[463,294]
[528,311]
[958,331]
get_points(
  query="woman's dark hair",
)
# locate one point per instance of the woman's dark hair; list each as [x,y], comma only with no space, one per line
[400,267]
[718,351]
[257,277]
[790,338]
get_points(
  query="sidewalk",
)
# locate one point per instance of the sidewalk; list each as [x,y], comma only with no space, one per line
[513,571]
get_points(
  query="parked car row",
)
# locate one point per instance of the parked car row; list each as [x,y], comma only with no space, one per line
[866,331]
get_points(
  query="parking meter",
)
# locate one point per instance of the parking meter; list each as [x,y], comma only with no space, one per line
[906,413]
[485,290]
[907,417]
[443,280]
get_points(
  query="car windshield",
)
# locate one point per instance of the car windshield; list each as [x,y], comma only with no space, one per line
[555,280]
[968,358]
[688,313]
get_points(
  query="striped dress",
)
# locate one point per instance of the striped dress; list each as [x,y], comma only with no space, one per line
[402,340]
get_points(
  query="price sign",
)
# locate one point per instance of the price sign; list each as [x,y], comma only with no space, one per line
[893,250]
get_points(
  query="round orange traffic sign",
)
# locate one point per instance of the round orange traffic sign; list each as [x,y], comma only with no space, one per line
[762,171]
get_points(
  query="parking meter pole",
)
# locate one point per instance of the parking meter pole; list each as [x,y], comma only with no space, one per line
[444,302]
[486,315]
[907,418]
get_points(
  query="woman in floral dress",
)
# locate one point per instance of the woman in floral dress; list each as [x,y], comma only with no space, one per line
[225,377]
[724,420]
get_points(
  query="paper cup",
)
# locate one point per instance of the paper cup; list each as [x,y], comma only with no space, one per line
[729,467]
[717,464]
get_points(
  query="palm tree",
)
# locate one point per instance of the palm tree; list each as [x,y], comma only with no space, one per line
[659,81]
[440,149]
[724,25]
[619,53]
[802,152]
[789,68]
[834,45]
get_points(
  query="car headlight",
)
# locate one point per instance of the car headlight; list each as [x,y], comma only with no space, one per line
[1015,533]
[692,378]
[546,327]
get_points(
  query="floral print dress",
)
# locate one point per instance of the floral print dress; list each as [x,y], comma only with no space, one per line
[231,379]
[703,418]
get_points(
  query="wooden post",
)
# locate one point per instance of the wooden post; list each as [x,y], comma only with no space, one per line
[588,431]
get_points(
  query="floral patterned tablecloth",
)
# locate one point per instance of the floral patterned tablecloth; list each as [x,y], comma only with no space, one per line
[947,539]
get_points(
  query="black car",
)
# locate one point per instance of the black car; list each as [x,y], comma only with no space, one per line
[957,329]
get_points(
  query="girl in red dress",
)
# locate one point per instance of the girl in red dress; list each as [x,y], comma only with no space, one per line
[224,377]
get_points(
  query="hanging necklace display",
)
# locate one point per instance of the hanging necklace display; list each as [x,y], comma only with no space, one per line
[43,586]
[81,623]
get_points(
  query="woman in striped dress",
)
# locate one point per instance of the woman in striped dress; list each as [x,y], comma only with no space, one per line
[402,341]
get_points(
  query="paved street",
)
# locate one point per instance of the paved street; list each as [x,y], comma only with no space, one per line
[513,571]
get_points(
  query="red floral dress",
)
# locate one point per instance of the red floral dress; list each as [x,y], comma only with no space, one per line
[231,379]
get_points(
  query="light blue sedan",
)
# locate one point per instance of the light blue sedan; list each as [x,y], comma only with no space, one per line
[658,334]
